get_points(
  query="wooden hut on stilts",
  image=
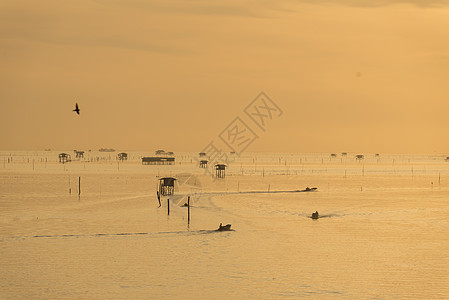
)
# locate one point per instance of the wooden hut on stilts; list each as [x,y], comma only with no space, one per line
[122,156]
[79,154]
[220,170]
[64,158]
[166,186]
[203,164]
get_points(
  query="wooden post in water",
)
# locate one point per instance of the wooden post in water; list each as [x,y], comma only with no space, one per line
[188,210]
[168,207]
[79,185]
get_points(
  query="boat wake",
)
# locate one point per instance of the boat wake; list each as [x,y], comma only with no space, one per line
[97,235]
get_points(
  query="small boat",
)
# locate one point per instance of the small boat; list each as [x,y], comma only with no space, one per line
[307,189]
[224,228]
[315,215]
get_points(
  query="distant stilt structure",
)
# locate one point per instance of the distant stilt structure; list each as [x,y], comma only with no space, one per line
[203,164]
[122,156]
[79,154]
[220,170]
[64,158]
[166,186]
[156,160]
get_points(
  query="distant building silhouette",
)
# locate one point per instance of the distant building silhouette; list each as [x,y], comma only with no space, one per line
[79,154]
[122,156]
[167,186]
[220,170]
[158,160]
[64,158]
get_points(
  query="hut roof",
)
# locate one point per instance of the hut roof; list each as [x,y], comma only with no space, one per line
[168,180]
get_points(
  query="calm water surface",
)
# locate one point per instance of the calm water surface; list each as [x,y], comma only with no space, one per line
[384,233]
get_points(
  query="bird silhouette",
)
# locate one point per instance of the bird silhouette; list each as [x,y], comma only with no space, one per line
[77,109]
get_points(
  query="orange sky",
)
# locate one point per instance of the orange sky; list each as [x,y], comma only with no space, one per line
[355,76]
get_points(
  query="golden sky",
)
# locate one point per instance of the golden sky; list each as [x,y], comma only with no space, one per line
[354,76]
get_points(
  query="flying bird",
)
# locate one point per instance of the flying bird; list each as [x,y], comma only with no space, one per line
[77,109]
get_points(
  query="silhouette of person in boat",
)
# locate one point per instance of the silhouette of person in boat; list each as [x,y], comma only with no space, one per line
[224,228]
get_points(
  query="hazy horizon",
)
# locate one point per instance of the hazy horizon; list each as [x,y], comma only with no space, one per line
[246,154]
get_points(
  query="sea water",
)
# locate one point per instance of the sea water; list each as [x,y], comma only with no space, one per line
[93,228]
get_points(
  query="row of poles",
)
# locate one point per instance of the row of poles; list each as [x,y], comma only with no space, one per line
[79,186]
[188,208]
